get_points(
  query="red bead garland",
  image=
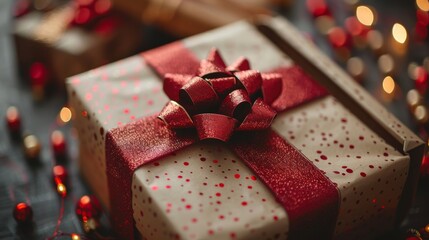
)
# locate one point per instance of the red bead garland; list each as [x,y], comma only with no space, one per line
[88,207]
[23,213]
[13,119]
[58,143]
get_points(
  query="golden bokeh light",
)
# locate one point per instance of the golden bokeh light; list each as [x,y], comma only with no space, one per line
[389,85]
[423,5]
[399,33]
[421,114]
[65,114]
[386,63]
[75,236]
[365,15]
[62,190]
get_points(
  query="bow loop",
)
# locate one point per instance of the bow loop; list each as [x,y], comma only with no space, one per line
[251,80]
[223,85]
[173,83]
[175,116]
[214,126]
[236,104]
[260,117]
[197,95]
[218,100]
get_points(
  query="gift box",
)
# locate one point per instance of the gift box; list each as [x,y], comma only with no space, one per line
[211,163]
[53,43]
[185,18]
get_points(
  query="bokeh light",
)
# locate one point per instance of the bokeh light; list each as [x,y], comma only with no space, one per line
[389,84]
[65,114]
[365,15]
[399,33]
[423,5]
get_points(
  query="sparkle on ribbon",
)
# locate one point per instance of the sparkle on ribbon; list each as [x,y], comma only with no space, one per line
[220,99]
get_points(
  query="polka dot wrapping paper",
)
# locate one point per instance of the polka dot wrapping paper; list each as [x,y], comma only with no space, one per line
[205,191]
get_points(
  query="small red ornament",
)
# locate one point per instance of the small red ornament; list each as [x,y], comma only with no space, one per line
[424,168]
[13,119]
[355,28]
[58,143]
[38,74]
[338,37]
[88,207]
[23,213]
[318,8]
[60,175]
[421,79]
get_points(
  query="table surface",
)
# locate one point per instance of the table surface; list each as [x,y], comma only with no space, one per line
[20,180]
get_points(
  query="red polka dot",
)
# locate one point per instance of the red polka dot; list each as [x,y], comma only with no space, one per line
[218,194]
[275,218]
[215,161]
[244,203]
[154,187]
[186,163]
[188,206]
[323,157]
[363,174]
[349,170]
[253,178]
[237,175]
[221,185]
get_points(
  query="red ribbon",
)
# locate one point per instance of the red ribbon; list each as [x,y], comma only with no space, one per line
[309,198]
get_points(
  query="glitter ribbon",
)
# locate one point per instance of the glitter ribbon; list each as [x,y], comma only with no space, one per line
[309,198]
[218,100]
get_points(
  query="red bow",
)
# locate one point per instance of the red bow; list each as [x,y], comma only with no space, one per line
[221,99]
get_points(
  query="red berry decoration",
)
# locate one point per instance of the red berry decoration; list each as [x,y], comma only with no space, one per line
[60,175]
[88,207]
[13,119]
[424,168]
[58,143]
[318,8]
[38,74]
[23,213]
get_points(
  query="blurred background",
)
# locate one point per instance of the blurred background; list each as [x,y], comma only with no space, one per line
[384,45]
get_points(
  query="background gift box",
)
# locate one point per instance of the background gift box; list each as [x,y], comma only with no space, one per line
[185,18]
[57,43]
